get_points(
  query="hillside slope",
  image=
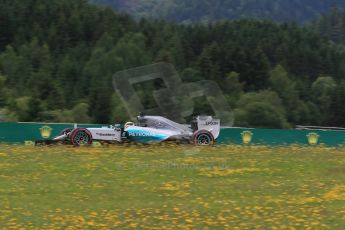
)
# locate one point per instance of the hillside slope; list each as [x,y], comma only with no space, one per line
[57,60]
[207,10]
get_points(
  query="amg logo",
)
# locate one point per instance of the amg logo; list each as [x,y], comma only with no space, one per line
[106,134]
[212,123]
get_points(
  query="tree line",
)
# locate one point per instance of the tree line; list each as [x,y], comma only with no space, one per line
[57,59]
[192,11]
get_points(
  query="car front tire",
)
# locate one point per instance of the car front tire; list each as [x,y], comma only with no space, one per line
[81,137]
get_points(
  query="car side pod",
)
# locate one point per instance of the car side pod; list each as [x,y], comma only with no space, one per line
[203,137]
[81,137]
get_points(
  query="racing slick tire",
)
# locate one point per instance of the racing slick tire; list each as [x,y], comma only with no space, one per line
[81,137]
[203,137]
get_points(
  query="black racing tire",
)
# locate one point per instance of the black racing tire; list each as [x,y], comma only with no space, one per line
[203,137]
[81,137]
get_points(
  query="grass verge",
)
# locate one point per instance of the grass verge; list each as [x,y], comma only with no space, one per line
[170,187]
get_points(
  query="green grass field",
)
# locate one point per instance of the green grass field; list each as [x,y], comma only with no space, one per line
[172,187]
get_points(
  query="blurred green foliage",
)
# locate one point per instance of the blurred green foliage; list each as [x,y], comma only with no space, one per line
[57,59]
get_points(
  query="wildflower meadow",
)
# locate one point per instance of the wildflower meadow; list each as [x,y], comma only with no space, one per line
[172,187]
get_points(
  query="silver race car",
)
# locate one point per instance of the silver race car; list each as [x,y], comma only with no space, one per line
[152,129]
[203,130]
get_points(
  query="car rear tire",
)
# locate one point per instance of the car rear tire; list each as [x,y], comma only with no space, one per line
[81,137]
[203,137]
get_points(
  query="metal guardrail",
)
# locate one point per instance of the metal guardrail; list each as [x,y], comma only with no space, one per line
[300,127]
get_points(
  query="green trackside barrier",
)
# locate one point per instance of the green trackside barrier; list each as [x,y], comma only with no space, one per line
[276,137]
[27,133]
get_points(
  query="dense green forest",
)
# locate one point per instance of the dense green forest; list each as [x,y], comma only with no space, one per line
[332,25]
[188,11]
[57,59]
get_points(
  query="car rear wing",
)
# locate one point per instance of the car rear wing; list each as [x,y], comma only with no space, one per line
[207,123]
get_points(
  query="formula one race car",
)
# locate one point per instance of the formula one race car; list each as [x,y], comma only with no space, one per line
[204,130]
